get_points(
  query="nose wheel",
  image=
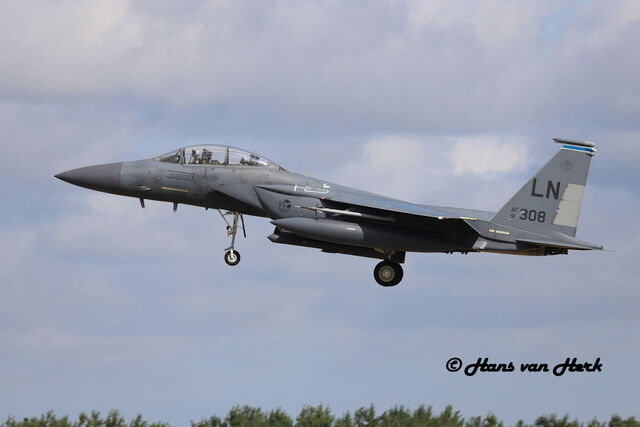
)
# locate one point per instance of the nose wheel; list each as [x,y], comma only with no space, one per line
[388,273]
[232,257]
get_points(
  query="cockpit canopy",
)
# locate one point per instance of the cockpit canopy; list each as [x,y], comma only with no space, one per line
[215,155]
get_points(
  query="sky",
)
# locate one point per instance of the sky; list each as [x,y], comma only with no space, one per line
[104,305]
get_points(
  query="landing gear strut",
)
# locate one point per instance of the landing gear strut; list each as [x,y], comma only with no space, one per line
[388,273]
[232,257]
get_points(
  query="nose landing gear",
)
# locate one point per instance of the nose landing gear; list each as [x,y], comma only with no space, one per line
[232,257]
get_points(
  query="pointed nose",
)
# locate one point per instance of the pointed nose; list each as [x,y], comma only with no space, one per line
[100,177]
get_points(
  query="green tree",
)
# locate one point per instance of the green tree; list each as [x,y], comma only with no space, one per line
[45,420]
[138,421]
[397,416]
[279,418]
[365,416]
[448,418]
[554,421]
[114,419]
[488,421]
[212,421]
[246,416]
[82,419]
[617,421]
[423,417]
[315,416]
[94,420]
[344,421]
[492,421]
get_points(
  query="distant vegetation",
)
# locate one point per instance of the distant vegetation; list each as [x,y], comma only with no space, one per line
[317,416]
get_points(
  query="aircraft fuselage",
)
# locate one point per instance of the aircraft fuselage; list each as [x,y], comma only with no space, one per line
[539,220]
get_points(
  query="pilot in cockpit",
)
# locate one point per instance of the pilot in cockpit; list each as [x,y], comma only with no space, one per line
[194,157]
[206,156]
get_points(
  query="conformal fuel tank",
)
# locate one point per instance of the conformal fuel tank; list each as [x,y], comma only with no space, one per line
[363,234]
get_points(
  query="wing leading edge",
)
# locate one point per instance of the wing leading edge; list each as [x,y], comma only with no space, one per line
[352,199]
[394,206]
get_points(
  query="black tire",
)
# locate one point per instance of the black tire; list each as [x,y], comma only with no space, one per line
[388,274]
[232,258]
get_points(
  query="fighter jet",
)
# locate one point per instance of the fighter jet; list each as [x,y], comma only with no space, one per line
[540,219]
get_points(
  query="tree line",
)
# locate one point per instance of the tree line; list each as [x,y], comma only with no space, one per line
[317,416]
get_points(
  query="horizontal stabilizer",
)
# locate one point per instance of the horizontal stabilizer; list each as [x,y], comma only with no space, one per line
[569,244]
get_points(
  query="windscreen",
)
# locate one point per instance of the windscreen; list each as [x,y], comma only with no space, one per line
[215,155]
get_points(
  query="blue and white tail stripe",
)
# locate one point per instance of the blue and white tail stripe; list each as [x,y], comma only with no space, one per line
[585,149]
[582,146]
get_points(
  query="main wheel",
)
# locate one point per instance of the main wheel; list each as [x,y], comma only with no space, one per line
[388,273]
[232,257]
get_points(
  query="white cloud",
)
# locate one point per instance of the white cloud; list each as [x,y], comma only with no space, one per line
[432,169]
[64,47]
[497,26]
[408,65]
[108,226]
[399,166]
[57,137]
[480,155]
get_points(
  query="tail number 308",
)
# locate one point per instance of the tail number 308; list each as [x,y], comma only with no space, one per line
[533,215]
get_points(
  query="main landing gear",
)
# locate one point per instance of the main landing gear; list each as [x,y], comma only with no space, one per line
[388,273]
[232,257]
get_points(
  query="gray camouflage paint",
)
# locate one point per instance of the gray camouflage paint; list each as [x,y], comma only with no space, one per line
[540,219]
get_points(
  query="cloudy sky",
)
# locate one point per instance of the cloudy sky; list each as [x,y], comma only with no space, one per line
[105,305]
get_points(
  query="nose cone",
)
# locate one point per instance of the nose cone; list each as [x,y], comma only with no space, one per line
[101,177]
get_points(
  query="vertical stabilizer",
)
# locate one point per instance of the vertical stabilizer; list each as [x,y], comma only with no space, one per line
[551,199]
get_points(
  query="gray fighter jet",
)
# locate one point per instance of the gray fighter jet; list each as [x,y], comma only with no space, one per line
[540,219]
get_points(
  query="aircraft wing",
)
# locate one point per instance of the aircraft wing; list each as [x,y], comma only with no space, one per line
[391,206]
[345,201]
